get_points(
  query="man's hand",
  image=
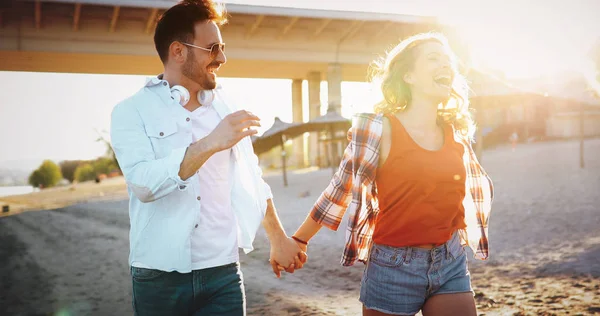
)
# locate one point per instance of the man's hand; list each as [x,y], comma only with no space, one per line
[286,255]
[229,132]
[302,257]
[232,129]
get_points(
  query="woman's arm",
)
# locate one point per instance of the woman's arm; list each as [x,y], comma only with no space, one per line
[305,232]
[331,205]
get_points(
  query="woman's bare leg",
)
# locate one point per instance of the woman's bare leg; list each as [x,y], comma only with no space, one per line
[450,305]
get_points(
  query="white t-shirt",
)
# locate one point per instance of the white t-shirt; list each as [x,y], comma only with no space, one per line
[214,241]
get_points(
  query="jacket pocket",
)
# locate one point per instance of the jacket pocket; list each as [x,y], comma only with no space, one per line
[161,130]
[163,137]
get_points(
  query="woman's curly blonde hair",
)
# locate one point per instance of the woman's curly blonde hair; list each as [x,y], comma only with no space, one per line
[389,73]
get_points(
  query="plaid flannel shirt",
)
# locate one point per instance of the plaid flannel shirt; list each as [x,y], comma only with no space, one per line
[353,189]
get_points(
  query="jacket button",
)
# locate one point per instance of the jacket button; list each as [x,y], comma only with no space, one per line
[187,119]
[196,226]
[198,198]
[161,134]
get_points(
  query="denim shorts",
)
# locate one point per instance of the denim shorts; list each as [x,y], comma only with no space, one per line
[398,281]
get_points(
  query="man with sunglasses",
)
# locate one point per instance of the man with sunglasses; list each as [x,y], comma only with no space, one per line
[196,190]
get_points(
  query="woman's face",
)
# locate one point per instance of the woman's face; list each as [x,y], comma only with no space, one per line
[432,74]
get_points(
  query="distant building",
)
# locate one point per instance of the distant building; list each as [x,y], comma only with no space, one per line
[568,124]
[537,109]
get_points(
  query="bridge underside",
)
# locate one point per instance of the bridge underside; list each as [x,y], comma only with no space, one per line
[110,36]
[150,65]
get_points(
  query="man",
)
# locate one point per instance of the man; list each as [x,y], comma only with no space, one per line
[194,183]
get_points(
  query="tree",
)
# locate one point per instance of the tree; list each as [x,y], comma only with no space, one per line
[109,150]
[46,176]
[68,167]
[85,172]
[35,179]
[104,165]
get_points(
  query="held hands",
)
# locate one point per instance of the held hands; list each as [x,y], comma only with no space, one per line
[287,255]
[233,128]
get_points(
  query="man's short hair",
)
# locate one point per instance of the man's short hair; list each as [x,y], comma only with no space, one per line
[177,23]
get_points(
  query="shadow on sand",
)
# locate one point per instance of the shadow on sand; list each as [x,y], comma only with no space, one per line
[25,285]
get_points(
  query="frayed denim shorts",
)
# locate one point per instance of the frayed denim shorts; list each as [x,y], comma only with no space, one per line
[398,281]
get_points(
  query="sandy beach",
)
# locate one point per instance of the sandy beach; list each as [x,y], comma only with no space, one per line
[544,231]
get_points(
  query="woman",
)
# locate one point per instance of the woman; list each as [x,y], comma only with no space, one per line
[413,187]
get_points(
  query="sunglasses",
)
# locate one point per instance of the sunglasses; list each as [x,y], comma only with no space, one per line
[214,49]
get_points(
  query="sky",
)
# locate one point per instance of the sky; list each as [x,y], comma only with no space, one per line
[56,116]
[59,116]
[520,37]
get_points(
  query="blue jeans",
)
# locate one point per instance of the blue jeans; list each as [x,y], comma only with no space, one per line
[398,281]
[212,291]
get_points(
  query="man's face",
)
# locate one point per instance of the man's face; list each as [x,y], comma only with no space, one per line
[200,66]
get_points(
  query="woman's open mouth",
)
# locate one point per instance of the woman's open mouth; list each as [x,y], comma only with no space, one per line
[444,81]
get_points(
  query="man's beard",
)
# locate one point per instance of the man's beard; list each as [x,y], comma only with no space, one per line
[191,71]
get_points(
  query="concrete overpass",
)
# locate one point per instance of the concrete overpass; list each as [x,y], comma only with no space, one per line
[115,37]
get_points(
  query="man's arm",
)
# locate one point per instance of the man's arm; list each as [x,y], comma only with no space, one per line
[148,178]
[284,250]
[285,254]
[195,156]
[233,128]
[151,179]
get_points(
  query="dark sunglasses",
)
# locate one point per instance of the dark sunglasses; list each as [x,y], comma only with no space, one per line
[214,49]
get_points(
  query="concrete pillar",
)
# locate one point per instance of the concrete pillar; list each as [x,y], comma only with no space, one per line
[334,87]
[334,92]
[298,142]
[314,110]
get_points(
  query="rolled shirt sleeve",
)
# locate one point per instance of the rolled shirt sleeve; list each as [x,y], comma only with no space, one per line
[149,178]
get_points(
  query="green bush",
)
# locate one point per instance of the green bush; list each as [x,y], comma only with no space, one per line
[46,176]
[68,167]
[85,172]
[104,166]
[35,179]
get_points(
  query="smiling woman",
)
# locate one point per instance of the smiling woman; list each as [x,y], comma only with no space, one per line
[409,179]
[439,79]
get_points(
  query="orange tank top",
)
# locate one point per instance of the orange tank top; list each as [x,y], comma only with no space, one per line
[420,192]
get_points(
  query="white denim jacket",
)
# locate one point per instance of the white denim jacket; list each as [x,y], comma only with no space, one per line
[150,133]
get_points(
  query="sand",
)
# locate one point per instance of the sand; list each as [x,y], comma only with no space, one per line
[57,197]
[544,230]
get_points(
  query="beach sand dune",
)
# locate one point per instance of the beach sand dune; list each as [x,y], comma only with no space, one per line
[544,230]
